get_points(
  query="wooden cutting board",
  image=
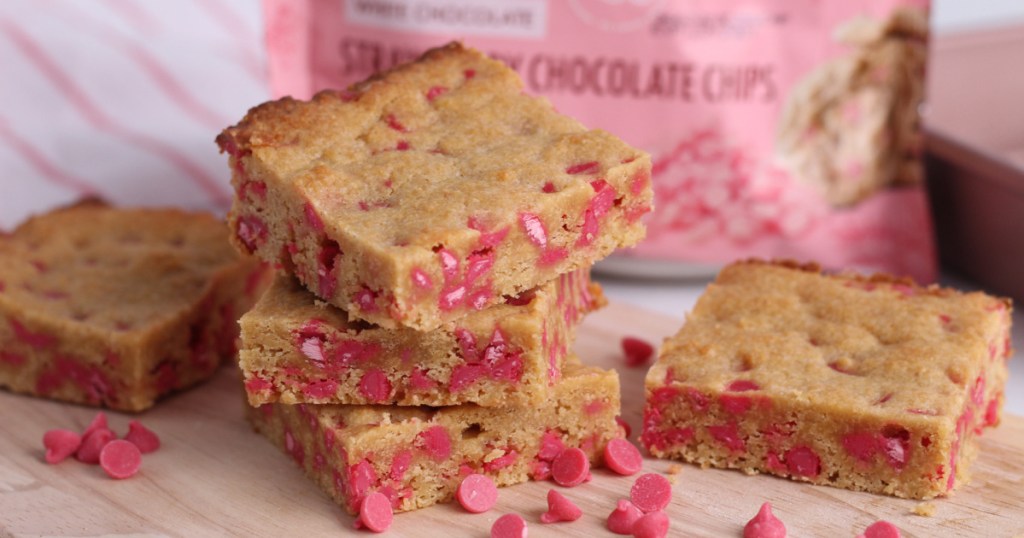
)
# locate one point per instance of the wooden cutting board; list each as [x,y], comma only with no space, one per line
[213,476]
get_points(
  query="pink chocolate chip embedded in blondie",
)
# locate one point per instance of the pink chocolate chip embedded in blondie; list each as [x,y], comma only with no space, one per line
[118,307]
[296,349]
[419,455]
[409,206]
[866,383]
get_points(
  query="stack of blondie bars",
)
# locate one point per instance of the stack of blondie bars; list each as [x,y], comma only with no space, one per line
[434,229]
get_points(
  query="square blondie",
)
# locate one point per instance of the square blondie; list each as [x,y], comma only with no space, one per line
[417,456]
[865,383]
[430,190]
[117,307]
[296,349]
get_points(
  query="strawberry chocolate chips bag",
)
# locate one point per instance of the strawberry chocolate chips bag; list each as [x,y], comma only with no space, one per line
[778,129]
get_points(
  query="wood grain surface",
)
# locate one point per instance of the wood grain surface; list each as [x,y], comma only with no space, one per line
[214,477]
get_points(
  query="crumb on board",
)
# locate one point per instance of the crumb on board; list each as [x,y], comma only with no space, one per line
[924,509]
[673,473]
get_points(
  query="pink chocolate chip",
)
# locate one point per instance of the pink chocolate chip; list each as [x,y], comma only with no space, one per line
[36,340]
[251,231]
[637,351]
[257,384]
[311,343]
[551,446]
[421,279]
[583,168]
[742,385]
[366,299]
[764,525]
[60,444]
[477,493]
[92,444]
[420,380]
[896,446]
[393,122]
[436,442]
[881,529]
[570,468]
[99,422]
[142,437]
[622,457]
[626,428]
[374,386]
[651,492]
[560,508]
[509,526]
[653,525]
[803,461]
[622,519]
[534,229]
[502,461]
[321,390]
[120,459]
[312,217]
[861,445]
[400,464]
[435,91]
[375,513]
[728,435]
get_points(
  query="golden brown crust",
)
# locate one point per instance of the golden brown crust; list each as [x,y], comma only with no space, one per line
[443,156]
[864,382]
[855,276]
[274,123]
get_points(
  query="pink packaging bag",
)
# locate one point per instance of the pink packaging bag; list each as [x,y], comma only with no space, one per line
[778,129]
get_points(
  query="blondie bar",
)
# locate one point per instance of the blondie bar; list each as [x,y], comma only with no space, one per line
[866,383]
[417,456]
[431,190]
[296,349]
[117,307]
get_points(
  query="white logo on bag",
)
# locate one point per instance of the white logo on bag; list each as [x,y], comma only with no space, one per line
[616,15]
[510,18]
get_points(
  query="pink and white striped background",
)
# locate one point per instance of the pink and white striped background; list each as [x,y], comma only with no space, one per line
[122,99]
